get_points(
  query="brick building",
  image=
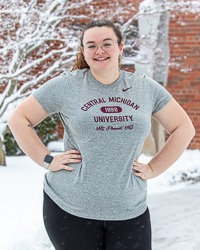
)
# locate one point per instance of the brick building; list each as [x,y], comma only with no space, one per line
[184,79]
[184,43]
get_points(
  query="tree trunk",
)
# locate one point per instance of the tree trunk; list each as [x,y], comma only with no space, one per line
[2,154]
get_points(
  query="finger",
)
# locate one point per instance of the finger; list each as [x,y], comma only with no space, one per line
[61,167]
[66,161]
[72,151]
[137,168]
[141,175]
[73,156]
[135,163]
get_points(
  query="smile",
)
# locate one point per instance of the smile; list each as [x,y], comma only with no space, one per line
[101,59]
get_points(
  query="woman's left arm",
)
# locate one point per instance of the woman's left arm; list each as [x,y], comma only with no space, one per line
[181,130]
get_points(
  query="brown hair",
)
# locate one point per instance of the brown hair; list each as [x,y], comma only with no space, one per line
[79,62]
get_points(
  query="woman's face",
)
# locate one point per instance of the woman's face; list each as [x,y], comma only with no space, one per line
[102,60]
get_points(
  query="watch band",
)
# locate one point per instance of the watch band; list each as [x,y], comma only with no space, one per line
[47,160]
[46,165]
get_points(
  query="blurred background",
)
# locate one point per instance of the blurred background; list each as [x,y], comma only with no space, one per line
[39,40]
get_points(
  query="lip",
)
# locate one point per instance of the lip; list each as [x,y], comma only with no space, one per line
[106,58]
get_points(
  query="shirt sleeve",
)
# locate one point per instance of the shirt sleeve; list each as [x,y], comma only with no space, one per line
[50,94]
[159,95]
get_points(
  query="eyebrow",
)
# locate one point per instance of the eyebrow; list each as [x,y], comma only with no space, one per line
[103,40]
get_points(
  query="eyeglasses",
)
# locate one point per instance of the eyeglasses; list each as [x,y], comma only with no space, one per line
[106,46]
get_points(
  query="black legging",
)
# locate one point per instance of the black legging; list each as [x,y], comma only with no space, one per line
[69,232]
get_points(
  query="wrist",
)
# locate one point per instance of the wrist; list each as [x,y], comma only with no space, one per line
[47,161]
[152,173]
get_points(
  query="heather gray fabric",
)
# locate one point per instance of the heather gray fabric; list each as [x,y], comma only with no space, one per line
[108,125]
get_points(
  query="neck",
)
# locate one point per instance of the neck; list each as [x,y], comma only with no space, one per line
[106,77]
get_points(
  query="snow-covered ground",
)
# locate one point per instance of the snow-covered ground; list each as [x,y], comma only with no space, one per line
[174,206]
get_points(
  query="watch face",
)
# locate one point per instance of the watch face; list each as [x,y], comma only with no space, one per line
[48,159]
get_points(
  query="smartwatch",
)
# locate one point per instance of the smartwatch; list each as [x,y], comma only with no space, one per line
[47,160]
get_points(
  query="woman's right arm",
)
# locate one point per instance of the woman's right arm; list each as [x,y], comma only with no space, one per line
[21,122]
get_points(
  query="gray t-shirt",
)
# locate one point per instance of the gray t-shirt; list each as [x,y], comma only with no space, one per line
[107,124]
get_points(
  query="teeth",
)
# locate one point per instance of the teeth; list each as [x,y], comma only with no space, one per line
[101,59]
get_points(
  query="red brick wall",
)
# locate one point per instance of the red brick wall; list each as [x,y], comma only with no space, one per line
[60,131]
[120,10]
[104,9]
[184,78]
[184,73]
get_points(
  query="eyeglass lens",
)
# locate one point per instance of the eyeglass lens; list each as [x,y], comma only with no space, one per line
[106,46]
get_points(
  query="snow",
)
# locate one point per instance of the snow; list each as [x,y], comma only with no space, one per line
[146,4]
[55,146]
[174,205]
[32,26]
[187,166]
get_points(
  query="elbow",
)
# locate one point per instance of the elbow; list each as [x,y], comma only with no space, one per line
[190,131]
[12,120]
[193,132]
[186,130]
[16,120]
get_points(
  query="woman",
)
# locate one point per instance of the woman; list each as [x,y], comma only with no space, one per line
[95,192]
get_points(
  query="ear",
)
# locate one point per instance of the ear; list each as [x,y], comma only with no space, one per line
[121,47]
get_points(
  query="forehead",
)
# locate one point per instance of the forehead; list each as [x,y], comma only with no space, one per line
[98,34]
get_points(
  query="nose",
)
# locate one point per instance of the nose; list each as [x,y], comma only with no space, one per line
[99,49]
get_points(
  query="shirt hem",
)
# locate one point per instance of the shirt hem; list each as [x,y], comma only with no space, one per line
[86,216]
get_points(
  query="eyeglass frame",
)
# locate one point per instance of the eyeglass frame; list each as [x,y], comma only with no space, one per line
[101,48]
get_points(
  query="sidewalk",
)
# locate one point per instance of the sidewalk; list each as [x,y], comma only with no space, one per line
[175,218]
[175,213]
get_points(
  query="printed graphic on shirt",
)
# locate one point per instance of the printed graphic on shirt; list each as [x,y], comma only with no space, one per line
[109,110]
[126,89]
